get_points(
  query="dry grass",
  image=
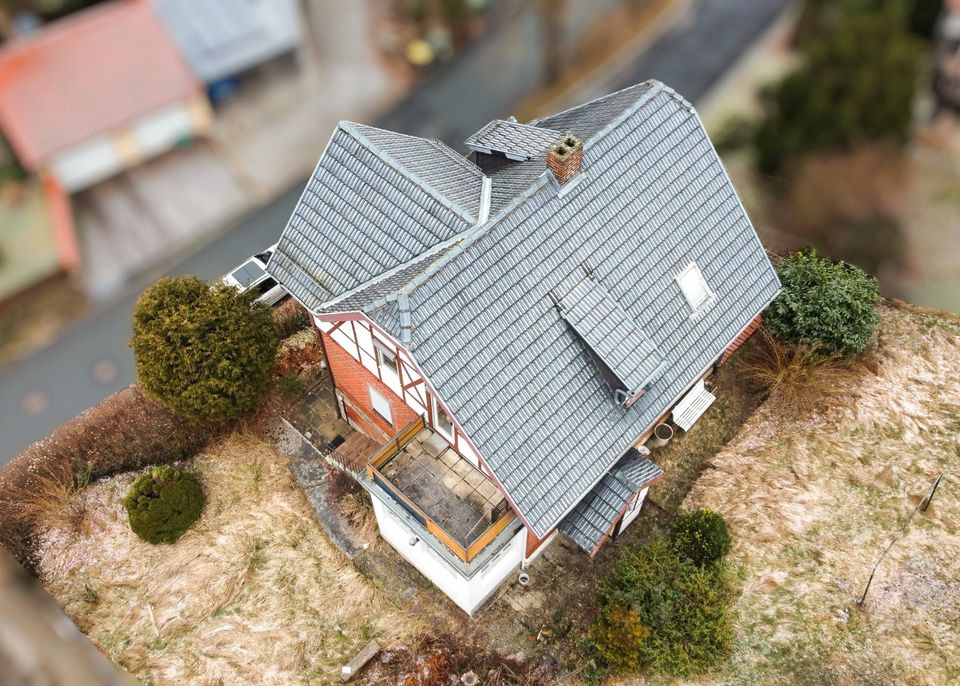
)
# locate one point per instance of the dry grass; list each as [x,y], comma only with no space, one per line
[798,378]
[812,498]
[254,593]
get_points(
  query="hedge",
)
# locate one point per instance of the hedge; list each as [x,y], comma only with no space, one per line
[127,431]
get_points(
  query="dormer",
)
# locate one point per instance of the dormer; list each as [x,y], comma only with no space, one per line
[510,139]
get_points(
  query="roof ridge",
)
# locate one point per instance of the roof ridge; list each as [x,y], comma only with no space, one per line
[471,235]
[355,129]
[607,96]
[656,87]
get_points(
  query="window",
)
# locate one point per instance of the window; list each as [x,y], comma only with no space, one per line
[694,287]
[442,421]
[266,285]
[380,405]
[387,360]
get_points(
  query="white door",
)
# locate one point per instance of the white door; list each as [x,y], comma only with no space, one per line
[633,510]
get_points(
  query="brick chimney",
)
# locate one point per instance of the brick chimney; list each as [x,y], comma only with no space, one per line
[565,157]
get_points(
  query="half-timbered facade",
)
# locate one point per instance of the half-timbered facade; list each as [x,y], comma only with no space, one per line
[510,327]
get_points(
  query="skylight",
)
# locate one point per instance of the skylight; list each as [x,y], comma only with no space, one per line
[695,288]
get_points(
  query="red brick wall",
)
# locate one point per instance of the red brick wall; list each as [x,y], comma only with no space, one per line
[741,339]
[352,379]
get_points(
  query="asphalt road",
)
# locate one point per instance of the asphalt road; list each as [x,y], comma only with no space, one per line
[91,359]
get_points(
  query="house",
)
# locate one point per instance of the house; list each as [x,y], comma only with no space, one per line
[96,93]
[222,39]
[511,327]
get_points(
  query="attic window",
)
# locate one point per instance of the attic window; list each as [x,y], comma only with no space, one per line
[694,287]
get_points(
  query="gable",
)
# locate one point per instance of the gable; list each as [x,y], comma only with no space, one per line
[362,214]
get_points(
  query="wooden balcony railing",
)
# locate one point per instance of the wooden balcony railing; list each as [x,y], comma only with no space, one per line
[394,446]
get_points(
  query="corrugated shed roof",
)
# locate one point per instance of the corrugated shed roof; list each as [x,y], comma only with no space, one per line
[368,208]
[611,334]
[87,75]
[221,38]
[513,139]
[653,196]
[591,519]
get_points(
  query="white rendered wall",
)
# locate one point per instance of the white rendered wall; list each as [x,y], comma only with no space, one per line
[468,594]
[84,165]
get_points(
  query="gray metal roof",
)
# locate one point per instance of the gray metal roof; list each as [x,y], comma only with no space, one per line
[515,140]
[222,38]
[610,333]
[375,202]
[593,516]
[653,197]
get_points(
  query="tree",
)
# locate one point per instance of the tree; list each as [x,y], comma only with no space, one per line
[856,84]
[830,306]
[207,352]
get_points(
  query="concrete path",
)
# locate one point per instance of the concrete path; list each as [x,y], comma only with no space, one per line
[92,359]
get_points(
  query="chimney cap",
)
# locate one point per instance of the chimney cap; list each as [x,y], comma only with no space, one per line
[565,147]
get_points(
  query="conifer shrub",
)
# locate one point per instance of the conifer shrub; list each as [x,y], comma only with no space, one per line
[618,636]
[206,352]
[701,536]
[826,305]
[685,609]
[163,504]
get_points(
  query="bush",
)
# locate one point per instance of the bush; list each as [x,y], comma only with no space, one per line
[292,386]
[290,318]
[206,352]
[830,306]
[127,431]
[163,503]
[701,536]
[618,636]
[685,609]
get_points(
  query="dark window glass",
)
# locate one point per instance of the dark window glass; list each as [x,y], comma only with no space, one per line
[265,286]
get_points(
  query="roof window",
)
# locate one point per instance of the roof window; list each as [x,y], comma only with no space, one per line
[695,288]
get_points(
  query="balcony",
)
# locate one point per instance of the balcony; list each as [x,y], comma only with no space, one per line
[450,497]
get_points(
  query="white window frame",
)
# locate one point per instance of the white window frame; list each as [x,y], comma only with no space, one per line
[437,409]
[376,398]
[697,301]
[385,369]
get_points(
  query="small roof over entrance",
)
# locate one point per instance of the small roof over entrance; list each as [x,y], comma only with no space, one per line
[627,357]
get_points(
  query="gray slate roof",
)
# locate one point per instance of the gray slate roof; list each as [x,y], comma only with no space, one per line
[653,197]
[586,120]
[593,516]
[610,334]
[222,38]
[515,140]
[375,202]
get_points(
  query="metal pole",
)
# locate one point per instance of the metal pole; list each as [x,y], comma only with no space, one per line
[921,506]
